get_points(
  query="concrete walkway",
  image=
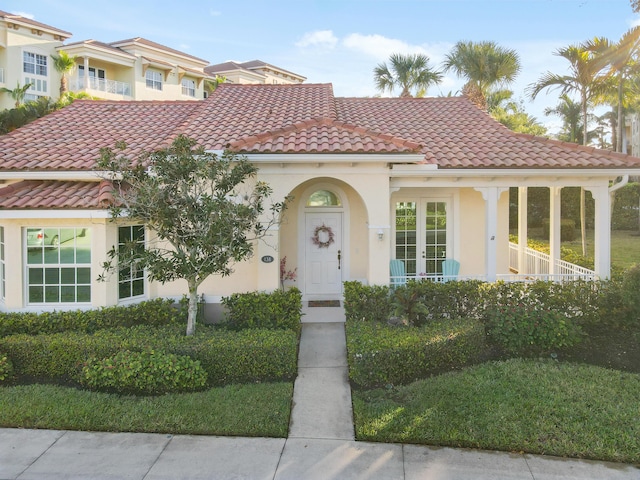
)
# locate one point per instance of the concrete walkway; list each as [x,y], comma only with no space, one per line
[320,445]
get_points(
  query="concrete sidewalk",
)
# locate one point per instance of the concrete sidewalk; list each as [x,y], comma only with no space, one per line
[320,445]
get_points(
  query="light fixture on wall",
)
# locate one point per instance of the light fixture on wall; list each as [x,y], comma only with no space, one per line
[380,234]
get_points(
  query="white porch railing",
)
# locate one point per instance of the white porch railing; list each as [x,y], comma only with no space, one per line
[537,267]
[101,85]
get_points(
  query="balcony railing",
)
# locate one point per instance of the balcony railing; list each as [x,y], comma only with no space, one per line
[102,85]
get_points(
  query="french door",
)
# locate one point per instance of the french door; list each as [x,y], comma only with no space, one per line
[423,235]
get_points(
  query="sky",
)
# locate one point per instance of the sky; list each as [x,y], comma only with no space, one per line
[341,41]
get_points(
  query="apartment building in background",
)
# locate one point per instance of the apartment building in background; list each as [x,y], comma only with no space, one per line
[131,69]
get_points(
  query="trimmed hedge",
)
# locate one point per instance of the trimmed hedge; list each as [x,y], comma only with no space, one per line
[275,310]
[153,312]
[226,356]
[6,368]
[144,373]
[380,354]
[364,302]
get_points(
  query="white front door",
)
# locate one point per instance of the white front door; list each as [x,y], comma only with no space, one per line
[323,253]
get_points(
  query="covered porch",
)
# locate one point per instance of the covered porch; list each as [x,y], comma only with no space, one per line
[479,233]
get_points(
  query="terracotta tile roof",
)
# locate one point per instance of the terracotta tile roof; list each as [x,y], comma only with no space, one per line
[456,134]
[233,112]
[304,118]
[323,135]
[71,138]
[56,194]
[14,17]
[257,64]
[91,43]
[157,46]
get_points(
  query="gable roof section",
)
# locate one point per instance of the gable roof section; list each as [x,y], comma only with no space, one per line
[53,194]
[71,138]
[323,135]
[233,112]
[15,18]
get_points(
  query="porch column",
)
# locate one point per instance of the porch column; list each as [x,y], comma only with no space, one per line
[523,234]
[602,231]
[85,80]
[554,228]
[491,196]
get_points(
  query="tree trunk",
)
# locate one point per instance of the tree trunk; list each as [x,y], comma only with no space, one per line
[583,215]
[193,307]
[63,85]
[618,144]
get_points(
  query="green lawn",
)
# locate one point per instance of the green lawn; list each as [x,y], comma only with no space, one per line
[260,410]
[625,247]
[533,406]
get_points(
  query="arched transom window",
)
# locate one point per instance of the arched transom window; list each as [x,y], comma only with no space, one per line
[324,198]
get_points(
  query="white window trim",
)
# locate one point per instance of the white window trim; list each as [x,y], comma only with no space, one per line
[144,295]
[25,266]
[25,75]
[156,77]
[190,87]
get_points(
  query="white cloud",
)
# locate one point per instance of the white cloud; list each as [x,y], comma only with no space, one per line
[378,46]
[184,46]
[214,13]
[319,38]
[25,15]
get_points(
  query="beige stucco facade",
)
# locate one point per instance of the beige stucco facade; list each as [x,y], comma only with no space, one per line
[367,233]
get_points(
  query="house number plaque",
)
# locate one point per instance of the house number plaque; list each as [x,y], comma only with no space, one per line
[267,259]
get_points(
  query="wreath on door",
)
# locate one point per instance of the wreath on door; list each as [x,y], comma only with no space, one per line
[327,236]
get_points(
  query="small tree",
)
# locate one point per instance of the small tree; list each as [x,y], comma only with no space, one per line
[192,200]
[63,64]
[17,93]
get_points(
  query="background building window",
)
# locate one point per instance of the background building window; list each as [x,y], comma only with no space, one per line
[34,67]
[188,87]
[58,265]
[154,79]
[130,277]
[34,63]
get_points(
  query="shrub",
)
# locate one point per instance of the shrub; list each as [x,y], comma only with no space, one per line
[631,291]
[453,299]
[381,354]
[154,312]
[522,330]
[276,310]
[147,373]
[6,368]
[370,303]
[226,356]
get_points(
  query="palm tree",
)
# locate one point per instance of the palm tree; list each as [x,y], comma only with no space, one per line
[17,93]
[570,112]
[485,65]
[63,64]
[622,60]
[586,79]
[406,72]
